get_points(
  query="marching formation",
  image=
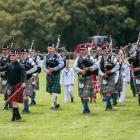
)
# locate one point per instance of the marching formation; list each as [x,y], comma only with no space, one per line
[99,69]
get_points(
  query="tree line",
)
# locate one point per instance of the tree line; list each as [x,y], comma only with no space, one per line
[75,20]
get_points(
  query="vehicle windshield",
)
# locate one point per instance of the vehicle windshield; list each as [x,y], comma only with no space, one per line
[100,40]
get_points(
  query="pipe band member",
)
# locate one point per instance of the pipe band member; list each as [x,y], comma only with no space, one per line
[52,64]
[85,68]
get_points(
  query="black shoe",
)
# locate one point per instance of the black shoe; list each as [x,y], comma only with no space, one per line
[32,103]
[86,112]
[5,108]
[18,117]
[108,109]
[53,108]
[115,103]
[13,118]
[57,106]
[72,99]
[25,111]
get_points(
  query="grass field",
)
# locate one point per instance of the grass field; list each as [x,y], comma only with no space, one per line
[122,123]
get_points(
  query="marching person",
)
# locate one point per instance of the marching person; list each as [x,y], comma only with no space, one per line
[30,68]
[67,79]
[135,66]
[4,59]
[35,82]
[16,77]
[96,58]
[34,55]
[52,64]
[84,67]
[108,66]
[118,79]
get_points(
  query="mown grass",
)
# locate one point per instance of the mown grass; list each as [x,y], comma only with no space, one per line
[122,123]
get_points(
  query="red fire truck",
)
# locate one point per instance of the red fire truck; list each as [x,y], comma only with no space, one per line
[95,41]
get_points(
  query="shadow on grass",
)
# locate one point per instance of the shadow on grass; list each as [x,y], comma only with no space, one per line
[37,113]
[39,105]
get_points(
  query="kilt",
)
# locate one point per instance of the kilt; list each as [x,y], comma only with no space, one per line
[18,97]
[28,90]
[87,90]
[118,85]
[110,86]
[55,88]
[136,86]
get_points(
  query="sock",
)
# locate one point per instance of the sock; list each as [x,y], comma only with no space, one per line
[114,98]
[18,117]
[139,99]
[108,103]
[33,97]
[26,107]
[85,106]
[53,100]
[14,114]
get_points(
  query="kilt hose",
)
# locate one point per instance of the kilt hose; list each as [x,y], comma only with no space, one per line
[18,97]
[87,90]
[136,86]
[55,87]
[110,86]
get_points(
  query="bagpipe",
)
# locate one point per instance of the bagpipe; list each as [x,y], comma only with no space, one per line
[131,50]
[62,51]
[87,62]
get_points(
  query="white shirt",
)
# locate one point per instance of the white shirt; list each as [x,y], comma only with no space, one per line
[67,76]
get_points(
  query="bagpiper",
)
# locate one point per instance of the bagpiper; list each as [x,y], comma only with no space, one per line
[108,66]
[52,64]
[4,59]
[31,68]
[35,81]
[84,67]
[135,66]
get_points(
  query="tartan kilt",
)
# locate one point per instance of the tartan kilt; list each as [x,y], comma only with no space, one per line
[136,86]
[28,90]
[87,90]
[18,97]
[110,86]
[55,88]
[118,85]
